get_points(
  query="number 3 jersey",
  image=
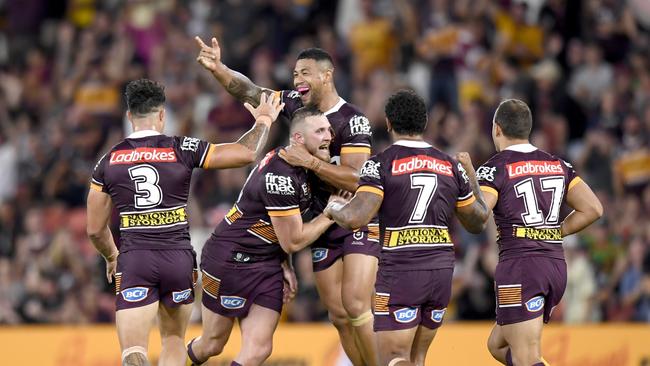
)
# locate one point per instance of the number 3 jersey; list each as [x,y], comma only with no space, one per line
[421,188]
[531,186]
[148,178]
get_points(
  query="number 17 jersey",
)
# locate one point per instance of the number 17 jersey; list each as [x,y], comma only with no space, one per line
[421,187]
[531,187]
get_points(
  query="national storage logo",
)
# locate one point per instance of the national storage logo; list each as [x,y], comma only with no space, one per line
[417,235]
[541,234]
[153,219]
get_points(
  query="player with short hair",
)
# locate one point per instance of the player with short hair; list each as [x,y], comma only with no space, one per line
[244,260]
[415,189]
[344,262]
[526,188]
[147,177]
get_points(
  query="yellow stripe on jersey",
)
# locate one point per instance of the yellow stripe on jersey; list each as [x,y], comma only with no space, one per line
[355,149]
[96,187]
[291,212]
[490,190]
[371,189]
[466,202]
[575,181]
[206,162]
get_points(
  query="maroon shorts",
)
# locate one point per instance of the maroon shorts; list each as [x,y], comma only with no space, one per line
[406,299]
[229,290]
[528,287]
[146,276]
[325,251]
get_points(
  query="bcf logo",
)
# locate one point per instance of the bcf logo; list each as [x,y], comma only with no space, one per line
[437,315]
[135,294]
[180,296]
[535,304]
[232,302]
[318,255]
[406,315]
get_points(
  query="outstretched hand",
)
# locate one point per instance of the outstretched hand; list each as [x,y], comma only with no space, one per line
[269,106]
[209,57]
[466,161]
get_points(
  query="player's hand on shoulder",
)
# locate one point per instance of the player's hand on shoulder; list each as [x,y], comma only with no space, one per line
[296,155]
[465,161]
[209,57]
[268,110]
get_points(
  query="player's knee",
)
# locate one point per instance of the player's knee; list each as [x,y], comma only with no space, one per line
[354,304]
[214,347]
[258,352]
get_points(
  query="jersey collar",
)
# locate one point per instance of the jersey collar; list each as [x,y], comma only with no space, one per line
[524,148]
[336,107]
[143,133]
[411,143]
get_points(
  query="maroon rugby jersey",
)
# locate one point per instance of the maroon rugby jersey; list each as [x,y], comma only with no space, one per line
[352,134]
[531,186]
[421,187]
[273,188]
[148,178]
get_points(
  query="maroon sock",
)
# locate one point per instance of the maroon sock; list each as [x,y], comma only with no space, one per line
[509,358]
[191,355]
[234,363]
[539,364]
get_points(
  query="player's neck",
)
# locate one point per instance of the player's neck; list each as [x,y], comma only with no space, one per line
[329,101]
[397,137]
[146,126]
[512,142]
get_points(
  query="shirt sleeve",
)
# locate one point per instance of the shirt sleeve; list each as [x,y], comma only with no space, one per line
[194,152]
[280,193]
[356,135]
[371,177]
[572,177]
[291,100]
[97,179]
[465,194]
[487,175]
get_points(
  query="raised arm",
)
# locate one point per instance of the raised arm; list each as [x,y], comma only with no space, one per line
[235,83]
[359,211]
[295,235]
[472,213]
[586,207]
[344,176]
[245,150]
[98,211]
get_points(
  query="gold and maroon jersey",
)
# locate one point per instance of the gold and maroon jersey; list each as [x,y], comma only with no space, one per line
[531,186]
[421,187]
[273,188]
[148,178]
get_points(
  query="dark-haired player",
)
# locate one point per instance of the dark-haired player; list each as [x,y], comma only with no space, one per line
[147,177]
[415,188]
[242,262]
[345,286]
[526,187]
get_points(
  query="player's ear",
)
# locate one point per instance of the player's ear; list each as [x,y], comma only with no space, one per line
[161,114]
[297,137]
[389,127]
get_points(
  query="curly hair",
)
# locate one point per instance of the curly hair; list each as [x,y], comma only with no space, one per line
[406,112]
[144,96]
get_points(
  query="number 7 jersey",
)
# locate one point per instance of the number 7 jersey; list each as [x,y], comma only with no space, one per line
[531,187]
[421,188]
[148,178]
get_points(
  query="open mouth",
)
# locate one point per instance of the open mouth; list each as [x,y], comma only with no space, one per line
[325,147]
[303,90]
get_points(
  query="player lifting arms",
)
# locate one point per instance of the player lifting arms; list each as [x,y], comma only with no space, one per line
[345,286]
[242,262]
[526,187]
[415,188]
[147,177]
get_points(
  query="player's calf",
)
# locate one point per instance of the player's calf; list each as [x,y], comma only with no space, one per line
[135,356]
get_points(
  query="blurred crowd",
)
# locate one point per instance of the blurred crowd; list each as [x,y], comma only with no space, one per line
[582,65]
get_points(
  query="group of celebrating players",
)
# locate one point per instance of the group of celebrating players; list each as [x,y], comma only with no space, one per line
[383,258]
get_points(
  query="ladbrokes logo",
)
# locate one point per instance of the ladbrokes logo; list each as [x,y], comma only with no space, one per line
[143,155]
[279,184]
[534,167]
[410,236]
[153,219]
[421,163]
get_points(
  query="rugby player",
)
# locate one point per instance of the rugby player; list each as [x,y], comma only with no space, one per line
[345,286]
[526,188]
[415,188]
[147,177]
[241,262]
